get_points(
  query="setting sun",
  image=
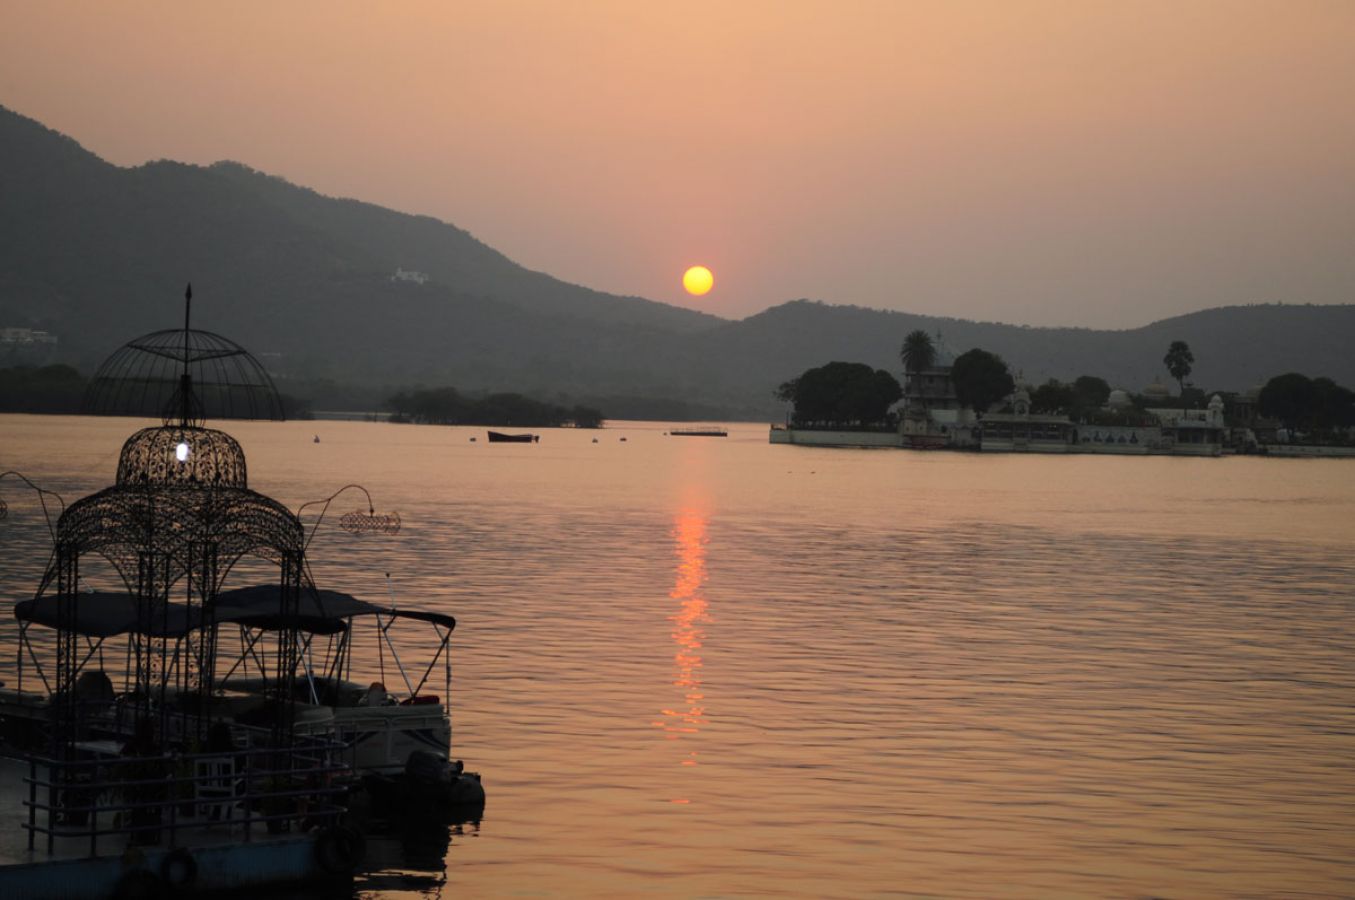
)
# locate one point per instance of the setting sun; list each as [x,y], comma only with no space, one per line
[698,280]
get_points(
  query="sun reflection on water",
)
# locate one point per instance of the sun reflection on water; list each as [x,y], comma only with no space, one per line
[687,717]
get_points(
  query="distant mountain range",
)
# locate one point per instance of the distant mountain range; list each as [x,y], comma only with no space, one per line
[98,254]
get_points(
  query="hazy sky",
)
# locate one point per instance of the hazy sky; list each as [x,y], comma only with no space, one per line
[1075,162]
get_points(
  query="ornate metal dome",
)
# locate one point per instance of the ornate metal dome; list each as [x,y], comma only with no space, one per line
[145,377]
[175,454]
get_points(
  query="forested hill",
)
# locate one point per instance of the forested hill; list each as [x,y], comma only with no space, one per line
[451,256]
[98,254]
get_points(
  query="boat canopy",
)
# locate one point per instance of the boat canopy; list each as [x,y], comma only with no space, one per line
[262,599]
[108,613]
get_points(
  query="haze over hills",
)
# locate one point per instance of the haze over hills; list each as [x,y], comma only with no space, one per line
[99,254]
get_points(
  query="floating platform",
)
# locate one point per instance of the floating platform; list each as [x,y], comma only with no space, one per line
[224,856]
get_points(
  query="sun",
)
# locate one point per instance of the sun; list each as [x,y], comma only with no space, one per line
[698,280]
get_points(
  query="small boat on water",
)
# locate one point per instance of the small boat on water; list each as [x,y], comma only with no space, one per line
[398,740]
[700,431]
[498,437]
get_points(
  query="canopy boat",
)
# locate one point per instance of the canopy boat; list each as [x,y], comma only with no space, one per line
[382,732]
[399,739]
[498,437]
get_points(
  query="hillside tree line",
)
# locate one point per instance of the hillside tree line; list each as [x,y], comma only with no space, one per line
[448,406]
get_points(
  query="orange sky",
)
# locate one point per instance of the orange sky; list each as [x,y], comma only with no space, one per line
[1070,162]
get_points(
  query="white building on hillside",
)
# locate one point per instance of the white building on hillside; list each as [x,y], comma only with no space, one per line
[409,275]
[25,336]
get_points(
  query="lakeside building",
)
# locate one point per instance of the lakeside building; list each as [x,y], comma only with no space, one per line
[1162,431]
[26,336]
[1024,431]
[932,418]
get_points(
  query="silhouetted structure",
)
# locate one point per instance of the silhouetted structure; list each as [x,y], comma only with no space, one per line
[145,377]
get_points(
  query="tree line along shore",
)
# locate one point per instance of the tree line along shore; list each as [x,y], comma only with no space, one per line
[61,389]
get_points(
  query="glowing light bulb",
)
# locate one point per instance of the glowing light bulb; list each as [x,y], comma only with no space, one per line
[181,451]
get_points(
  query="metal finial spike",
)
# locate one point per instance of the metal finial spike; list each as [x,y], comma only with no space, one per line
[188,292]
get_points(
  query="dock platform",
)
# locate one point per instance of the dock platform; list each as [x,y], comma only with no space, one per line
[197,857]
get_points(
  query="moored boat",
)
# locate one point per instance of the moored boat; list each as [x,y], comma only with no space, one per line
[395,734]
[499,437]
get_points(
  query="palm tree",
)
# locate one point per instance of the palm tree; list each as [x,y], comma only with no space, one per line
[918,351]
[1178,360]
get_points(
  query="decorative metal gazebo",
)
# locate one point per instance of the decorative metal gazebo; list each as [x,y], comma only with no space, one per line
[157,758]
[178,518]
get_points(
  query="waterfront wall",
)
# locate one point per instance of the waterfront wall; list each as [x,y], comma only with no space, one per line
[1302,450]
[835,438]
[1136,439]
[1025,445]
[1149,443]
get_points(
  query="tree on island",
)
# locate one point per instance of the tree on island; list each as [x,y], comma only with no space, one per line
[1178,361]
[1052,397]
[1084,395]
[918,352]
[1300,402]
[1288,398]
[841,394]
[1090,392]
[981,379]
[1334,406]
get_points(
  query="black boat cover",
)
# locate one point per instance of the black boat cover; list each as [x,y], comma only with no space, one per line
[108,613]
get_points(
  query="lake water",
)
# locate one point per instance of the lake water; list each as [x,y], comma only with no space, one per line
[700,667]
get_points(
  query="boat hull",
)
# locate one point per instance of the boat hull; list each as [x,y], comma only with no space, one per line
[498,437]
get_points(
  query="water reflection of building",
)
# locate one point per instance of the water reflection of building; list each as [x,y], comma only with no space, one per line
[689,623]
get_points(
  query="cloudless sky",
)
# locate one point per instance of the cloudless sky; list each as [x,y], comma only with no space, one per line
[1073,162]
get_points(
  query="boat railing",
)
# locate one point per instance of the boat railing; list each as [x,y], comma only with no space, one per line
[161,800]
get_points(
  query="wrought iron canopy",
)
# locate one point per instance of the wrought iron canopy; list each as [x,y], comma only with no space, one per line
[145,377]
[122,523]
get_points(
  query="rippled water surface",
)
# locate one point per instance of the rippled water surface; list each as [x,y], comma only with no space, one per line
[713,667]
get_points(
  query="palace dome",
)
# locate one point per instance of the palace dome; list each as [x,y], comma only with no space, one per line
[1156,390]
